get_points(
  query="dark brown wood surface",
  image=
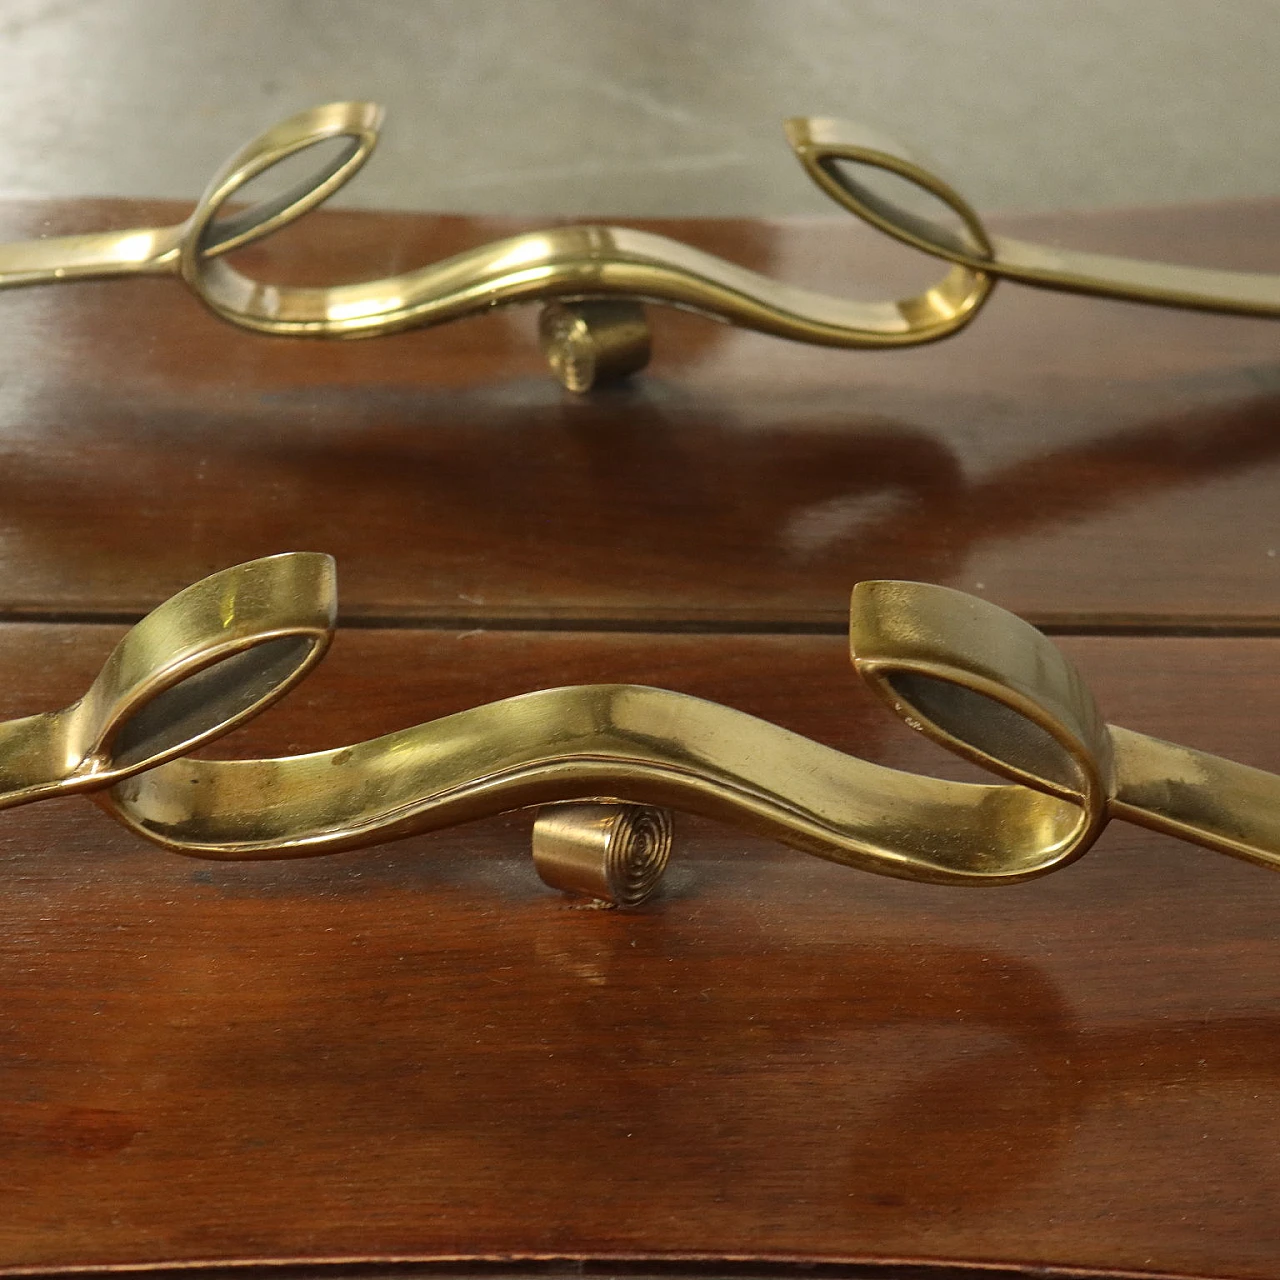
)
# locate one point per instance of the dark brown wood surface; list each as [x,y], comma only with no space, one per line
[419,1053]
[1074,459]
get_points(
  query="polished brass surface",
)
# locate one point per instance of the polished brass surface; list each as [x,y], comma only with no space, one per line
[840,157]
[575,263]
[966,673]
[614,853]
[597,277]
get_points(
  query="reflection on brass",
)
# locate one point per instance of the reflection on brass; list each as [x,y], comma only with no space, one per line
[969,675]
[611,852]
[841,157]
[583,268]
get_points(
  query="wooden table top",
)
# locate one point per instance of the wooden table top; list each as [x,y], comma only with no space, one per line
[1077,461]
[417,1057]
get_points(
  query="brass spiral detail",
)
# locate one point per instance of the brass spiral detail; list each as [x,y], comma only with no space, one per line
[615,853]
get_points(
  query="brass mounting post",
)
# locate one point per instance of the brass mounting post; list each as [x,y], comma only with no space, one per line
[612,852]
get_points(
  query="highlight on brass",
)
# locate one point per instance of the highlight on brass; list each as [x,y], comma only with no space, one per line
[604,763]
[594,279]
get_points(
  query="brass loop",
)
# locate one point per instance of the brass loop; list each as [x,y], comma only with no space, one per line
[589,268]
[834,152]
[615,853]
[984,684]
[592,267]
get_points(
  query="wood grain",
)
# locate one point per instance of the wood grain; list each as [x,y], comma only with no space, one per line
[1078,461]
[419,1057]
[419,1052]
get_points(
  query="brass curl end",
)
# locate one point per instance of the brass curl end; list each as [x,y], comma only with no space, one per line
[607,851]
[595,279]
[603,763]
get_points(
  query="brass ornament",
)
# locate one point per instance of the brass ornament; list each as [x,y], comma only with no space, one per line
[602,763]
[595,280]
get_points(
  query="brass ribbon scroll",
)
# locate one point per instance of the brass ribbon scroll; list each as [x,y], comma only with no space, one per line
[966,673]
[596,278]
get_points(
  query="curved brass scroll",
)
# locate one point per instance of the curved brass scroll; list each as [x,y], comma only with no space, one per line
[968,674]
[581,267]
[572,264]
[836,154]
[197,666]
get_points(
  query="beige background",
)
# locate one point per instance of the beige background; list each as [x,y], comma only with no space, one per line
[651,106]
